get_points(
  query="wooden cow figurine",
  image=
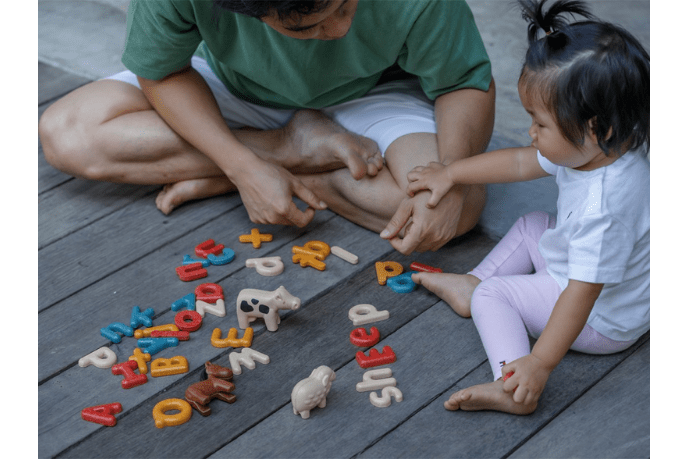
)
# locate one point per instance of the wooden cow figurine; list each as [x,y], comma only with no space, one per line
[216,386]
[312,391]
[253,303]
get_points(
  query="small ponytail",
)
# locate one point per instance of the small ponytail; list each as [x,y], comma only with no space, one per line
[551,21]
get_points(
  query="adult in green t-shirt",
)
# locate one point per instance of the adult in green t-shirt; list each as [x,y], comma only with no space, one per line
[276,99]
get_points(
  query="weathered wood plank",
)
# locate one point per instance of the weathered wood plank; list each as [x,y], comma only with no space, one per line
[151,282]
[59,430]
[350,423]
[115,241]
[436,432]
[54,82]
[77,203]
[322,317]
[611,420]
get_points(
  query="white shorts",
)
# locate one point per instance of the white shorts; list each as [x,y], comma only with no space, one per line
[387,112]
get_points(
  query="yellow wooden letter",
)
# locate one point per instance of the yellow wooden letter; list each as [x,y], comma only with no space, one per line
[255,238]
[166,420]
[231,340]
[141,359]
[167,367]
[387,269]
[308,259]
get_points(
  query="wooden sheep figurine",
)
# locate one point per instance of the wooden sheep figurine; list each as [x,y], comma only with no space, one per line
[253,303]
[312,391]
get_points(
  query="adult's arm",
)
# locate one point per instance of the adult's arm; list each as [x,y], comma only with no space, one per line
[465,119]
[188,106]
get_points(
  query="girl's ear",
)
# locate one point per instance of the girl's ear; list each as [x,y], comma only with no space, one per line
[592,130]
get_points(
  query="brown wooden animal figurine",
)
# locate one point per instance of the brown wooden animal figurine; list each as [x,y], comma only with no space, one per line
[216,386]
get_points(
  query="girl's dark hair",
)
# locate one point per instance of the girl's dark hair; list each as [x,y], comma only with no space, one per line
[588,72]
[261,8]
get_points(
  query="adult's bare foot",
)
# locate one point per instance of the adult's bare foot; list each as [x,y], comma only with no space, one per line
[455,289]
[176,194]
[315,143]
[489,396]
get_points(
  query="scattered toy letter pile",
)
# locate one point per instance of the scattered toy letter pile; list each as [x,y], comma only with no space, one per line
[251,304]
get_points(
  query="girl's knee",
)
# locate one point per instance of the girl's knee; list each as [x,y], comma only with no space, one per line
[487,296]
[535,222]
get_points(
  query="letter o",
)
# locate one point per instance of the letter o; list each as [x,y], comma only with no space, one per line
[166,420]
[188,320]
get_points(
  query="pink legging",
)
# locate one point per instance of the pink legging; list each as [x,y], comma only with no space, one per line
[517,296]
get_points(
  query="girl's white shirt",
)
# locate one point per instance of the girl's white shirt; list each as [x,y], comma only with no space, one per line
[602,235]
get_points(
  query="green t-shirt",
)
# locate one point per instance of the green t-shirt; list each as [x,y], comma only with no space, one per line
[437,41]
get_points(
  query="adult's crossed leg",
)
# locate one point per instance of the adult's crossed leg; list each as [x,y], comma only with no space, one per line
[107,130]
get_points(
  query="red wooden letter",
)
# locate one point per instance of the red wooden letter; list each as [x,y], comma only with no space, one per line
[191,272]
[209,293]
[188,320]
[359,337]
[376,359]
[415,266]
[131,379]
[102,414]
[204,248]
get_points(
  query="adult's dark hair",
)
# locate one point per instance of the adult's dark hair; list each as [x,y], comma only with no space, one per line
[588,71]
[283,8]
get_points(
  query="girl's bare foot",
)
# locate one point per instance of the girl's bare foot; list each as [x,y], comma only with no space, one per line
[315,143]
[489,396]
[176,194]
[455,289]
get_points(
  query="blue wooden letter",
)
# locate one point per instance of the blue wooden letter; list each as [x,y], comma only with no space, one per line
[139,318]
[186,302]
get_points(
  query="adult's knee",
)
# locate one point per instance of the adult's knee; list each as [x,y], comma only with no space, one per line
[472,209]
[70,129]
[64,141]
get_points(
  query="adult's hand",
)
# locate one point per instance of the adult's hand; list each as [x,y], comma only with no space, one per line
[464,119]
[266,191]
[425,228]
[188,106]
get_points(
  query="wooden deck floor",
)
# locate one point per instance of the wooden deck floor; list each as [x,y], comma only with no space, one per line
[104,248]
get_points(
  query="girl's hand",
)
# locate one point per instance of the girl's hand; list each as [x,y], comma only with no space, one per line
[528,380]
[433,177]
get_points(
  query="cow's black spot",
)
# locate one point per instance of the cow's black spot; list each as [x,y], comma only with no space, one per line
[263,309]
[246,307]
[254,301]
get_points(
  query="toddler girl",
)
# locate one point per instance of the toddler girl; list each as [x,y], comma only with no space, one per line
[581,283]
